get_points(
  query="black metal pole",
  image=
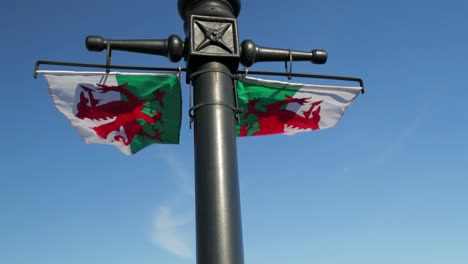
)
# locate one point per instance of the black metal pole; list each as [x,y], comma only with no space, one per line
[213,59]
[218,213]
[213,54]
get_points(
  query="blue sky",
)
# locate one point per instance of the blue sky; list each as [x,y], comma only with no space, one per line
[388,184]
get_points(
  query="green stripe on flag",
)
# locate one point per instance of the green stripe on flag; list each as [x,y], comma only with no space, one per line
[263,95]
[147,88]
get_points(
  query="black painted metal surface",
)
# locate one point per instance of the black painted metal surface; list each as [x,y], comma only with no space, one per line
[218,213]
[212,60]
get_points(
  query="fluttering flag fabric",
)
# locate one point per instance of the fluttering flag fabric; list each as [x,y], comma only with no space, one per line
[274,107]
[127,110]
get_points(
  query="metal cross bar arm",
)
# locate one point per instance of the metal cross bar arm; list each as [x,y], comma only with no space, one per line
[172,47]
[103,66]
[145,68]
[306,75]
[251,53]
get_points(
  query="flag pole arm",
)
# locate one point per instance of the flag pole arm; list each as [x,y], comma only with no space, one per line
[102,66]
[252,53]
[306,75]
[145,68]
[172,47]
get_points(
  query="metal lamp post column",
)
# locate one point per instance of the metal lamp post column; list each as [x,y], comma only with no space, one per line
[218,220]
[212,54]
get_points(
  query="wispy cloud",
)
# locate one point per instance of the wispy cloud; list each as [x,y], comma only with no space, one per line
[180,171]
[169,234]
[173,222]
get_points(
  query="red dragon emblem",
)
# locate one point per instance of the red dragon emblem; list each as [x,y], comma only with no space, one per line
[276,117]
[119,120]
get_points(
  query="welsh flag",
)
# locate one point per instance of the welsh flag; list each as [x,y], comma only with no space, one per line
[127,110]
[273,107]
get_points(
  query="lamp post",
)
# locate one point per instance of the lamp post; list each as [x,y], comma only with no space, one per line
[212,53]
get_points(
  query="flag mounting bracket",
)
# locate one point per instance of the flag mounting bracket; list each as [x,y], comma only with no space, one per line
[179,69]
[233,77]
[290,65]
[305,75]
[102,66]
[108,57]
